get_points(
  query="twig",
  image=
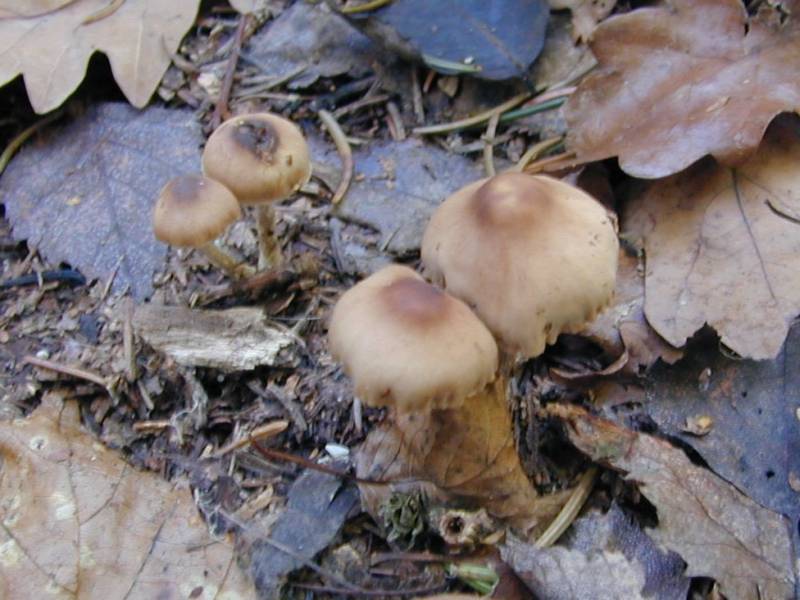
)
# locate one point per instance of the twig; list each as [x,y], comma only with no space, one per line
[359,104]
[395,121]
[535,151]
[152,425]
[372,5]
[263,431]
[69,276]
[221,108]
[127,341]
[488,147]
[475,120]
[449,65]
[345,153]
[541,165]
[416,96]
[272,454]
[571,509]
[67,370]
[532,109]
[23,136]
[370,593]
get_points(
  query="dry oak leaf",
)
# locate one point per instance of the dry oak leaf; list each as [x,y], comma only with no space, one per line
[722,247]
[51,42]
[465,455]
[682,80]
[78,522]
[717,530]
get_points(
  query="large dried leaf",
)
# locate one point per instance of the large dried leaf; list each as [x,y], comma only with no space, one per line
[723,248]
[84,194]
[467,454]
[682,80]
[717,530]
[78,522]
[51,42]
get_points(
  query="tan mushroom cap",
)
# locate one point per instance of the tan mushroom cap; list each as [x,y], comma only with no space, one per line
[410,345]
[534,257]
[193,210]
[260,157]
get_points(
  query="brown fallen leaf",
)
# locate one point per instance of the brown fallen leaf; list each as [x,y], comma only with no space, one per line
[586,14]
[622,330]
[50,43]
[685,79]
[78,522]
[716,529]
[465,455]
[722,248]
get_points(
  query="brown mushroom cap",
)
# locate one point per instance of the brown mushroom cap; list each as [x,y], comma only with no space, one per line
[410,345]
[260,157]
[534,256]
[193,210]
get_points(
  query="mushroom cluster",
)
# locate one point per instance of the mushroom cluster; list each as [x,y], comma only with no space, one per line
[249,160]
[515,260]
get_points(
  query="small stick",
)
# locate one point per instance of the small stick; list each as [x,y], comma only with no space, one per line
[372,5]
[488,145]
[475,120]
[359,104]
[535,151]
[542,164]
[271,454]
[23,136]
[221,108]
[263,431]
[419,592]
[416,96]
[571,509]
[396,121]
[127,341]
[152,425]
[345,153]
[66,370]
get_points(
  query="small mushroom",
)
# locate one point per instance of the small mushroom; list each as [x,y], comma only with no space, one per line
[534,257]
[193,211]
[409,345]
[261,158]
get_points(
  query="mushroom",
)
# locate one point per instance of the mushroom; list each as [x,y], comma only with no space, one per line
[532,255]
[192,211]
[261,158]
[409,345]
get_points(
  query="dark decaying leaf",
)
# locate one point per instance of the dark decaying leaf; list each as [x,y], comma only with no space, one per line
[464,457]
[718,531]
[722,248]
[754,436]
[491,40]
[601,556]
[84,193]
[316,508]
[684,79]
[312,42]
[398,186]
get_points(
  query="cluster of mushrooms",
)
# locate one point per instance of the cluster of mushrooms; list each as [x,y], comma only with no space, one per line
[514,261]
[250,160]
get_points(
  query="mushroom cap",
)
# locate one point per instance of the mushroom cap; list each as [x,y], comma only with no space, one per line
[193,210]
[533,256]
[407,344]
[260,157]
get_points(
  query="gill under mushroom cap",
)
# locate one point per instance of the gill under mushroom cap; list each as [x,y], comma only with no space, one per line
[193,210]
[260,157]
[410,345]
[533,256]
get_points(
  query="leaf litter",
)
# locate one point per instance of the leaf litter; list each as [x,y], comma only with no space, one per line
[213,412]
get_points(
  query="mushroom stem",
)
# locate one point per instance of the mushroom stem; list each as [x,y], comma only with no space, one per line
[222,260]
[270,254]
